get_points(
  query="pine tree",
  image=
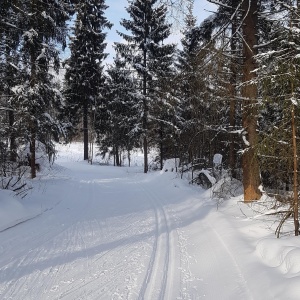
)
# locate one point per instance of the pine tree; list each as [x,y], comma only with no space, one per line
[84,75]
[148,56]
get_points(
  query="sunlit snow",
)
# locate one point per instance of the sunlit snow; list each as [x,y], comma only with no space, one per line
[103,232]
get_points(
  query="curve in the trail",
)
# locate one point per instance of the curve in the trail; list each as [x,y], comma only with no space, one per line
[115,236]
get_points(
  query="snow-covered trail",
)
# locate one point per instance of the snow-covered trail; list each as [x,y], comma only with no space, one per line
[116,233]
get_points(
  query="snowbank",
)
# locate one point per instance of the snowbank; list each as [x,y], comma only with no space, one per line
[12,211]
[282,254]
[220,246]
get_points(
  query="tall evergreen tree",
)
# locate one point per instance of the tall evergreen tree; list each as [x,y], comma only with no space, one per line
[41,26]
[189,78]
[248,27]
[84,75]
[147,55]
[10,37]
[118,127]
[200,85]
[279,76]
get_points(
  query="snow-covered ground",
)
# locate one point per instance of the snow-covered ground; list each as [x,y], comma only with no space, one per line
[103,232]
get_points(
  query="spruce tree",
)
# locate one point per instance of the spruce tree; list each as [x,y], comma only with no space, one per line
[84,77]
[188,78]
[119,130]
[278,74]
[10,36]
[40,26]
[148,56]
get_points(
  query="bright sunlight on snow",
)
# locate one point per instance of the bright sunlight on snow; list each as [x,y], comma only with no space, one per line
[102,232]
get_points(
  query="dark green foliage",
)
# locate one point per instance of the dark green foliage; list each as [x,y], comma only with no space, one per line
[119,119]
[30,33]
[84,75]
[151,59]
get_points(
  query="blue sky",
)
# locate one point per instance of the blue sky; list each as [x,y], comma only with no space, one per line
[116,12]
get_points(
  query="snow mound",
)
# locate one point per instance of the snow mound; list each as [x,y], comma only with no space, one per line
[12,212]
[227,187]
[283,254]
[170,165]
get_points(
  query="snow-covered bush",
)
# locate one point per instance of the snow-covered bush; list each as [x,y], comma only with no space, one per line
[171,165]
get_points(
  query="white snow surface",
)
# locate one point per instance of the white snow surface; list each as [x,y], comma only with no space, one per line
[103,232]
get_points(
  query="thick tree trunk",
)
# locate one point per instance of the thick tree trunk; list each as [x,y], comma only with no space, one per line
[85,132]
[250,165]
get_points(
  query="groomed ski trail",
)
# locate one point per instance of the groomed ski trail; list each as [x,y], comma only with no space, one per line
[118,234]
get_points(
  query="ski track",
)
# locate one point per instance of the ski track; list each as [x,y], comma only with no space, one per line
[84,282]
[37,254]
[141,250]
[154,285]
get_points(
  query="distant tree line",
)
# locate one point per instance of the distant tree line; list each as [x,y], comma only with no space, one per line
[231,87]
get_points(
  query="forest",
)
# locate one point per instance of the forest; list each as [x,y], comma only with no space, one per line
[230,87]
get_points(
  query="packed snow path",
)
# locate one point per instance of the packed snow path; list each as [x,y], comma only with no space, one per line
[116,233]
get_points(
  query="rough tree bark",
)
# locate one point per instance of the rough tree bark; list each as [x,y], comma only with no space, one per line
[250,165]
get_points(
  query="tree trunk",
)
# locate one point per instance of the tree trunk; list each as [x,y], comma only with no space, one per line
[12,137]
[32,123]
[114,154]
[11,116]
[117,156]
[85,132]
[129,158]
[32,153]
[145,148]
[232,93]
[145,115]
[294,23]
[161,147]
[250,165]
[295,174]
